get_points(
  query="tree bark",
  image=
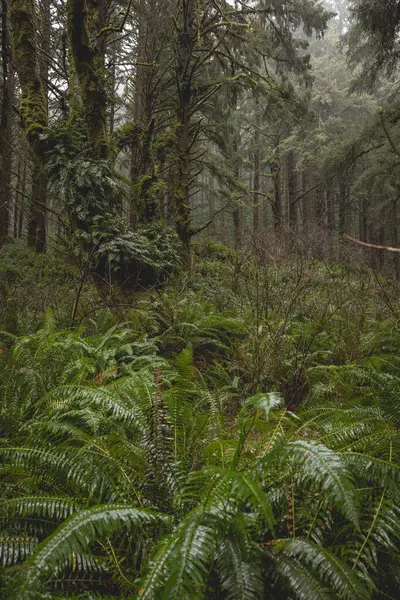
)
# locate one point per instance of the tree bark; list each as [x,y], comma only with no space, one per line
[395,238]
[291,182]
[362,225]
[307,209]
[277,200]
[6,137]
[342,208]
[256,187]
[33,110]
[211,204]
[183,146]
[330,210]
[86,23]
[265,183]
[136,209]
[237,211]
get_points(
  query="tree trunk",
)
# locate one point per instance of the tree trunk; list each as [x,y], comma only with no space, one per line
[113,90]
[238,228]
[211,204]
[6,137]
[277,199]
[144,199]
[257,188]
[183,145]
[45,38]
[330,210]
[395,239]
[307,208]
[237,212]
[136,209]
[37,217]
[17,203]
[33,110]
[342,208]
[21,219]
[362,226]
[86,24]
[222,222]
[291,182]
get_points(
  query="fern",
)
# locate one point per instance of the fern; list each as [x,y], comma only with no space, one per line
[77,533]
[234,498]
[331,570]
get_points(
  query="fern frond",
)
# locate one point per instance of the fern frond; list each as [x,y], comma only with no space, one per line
[14,549]
[240,574]
[342,579]
[51,507]
[76,534]
[315,464]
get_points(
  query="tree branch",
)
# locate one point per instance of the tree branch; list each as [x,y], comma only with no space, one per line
[367,245]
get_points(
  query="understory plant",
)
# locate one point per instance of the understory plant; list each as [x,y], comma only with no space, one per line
[126,473]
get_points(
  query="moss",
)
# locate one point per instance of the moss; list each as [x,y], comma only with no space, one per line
[89,65]
[33,99]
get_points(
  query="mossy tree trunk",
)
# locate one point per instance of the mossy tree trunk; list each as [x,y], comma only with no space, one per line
[44,15]
[257,188]
[183,137]
[308,208]
[275,167]
[145,203]
[291,182]
[138,112]
[6,137]
[330,210]
[87,22]
[395,237]
[211,204]
[257,202]
[33,110]
[342,207]
[237,214]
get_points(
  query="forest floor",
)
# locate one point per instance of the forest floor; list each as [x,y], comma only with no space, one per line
[279,374]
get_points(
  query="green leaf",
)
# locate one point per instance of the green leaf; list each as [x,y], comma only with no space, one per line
[76,534]
[265,402]
[338,574]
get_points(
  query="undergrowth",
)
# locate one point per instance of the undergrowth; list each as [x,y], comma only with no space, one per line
[231,435]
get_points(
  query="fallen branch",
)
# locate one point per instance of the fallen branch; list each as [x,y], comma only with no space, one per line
[376,246]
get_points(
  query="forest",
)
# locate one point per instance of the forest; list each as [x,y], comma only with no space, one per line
[200,299]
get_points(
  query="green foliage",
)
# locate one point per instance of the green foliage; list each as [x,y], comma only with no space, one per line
[232,434]
[132,464]
[75,535]
[372,38]
[30,284]
[84,187]
[142,257]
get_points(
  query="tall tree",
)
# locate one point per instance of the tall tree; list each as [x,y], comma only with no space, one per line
[6,137]
[33,111]
[373,38]
[87,28]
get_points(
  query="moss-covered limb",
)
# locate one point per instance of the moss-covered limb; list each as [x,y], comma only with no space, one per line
[88,58]
[127,135]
